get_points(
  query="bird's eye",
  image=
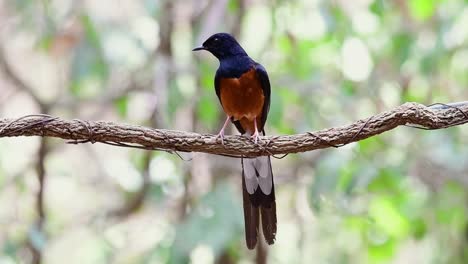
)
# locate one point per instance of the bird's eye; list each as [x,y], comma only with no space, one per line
[215,39]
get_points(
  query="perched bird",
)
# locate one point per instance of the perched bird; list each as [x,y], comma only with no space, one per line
[243,89]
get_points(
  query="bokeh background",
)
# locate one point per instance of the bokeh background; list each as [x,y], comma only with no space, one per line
[400,197]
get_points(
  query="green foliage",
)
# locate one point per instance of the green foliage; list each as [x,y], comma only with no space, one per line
[402,46]
[207,110]
[422,9]
[385,199]
[89,69]
[218,212]
[121,105]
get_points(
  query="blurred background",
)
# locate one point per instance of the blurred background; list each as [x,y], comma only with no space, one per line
[400,197]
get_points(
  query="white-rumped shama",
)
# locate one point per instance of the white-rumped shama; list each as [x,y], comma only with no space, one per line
[243,89]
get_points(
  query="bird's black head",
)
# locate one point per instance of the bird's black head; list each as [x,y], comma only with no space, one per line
[222,45]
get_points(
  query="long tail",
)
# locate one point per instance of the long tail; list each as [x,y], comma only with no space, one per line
[258,193]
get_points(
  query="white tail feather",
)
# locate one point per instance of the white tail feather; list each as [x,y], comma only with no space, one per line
[257,172]
[251,180]
[265,181]
[257,166]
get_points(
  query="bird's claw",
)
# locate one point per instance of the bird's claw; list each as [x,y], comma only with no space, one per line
[220,135]
[255,137]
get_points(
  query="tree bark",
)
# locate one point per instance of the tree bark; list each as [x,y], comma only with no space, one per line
[78,131]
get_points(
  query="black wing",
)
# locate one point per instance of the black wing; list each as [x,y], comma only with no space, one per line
[265,83]
[217,79]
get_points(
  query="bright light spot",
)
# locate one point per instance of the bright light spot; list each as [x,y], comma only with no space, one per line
[287,239]
[301,25]
[139,107]
[356,61]
[459,62]
[254,38]
[419,86]
[122,50]
[125,174]
[116,237]
[162,169]
[186,84]
[426,40]
[298,20]
[366,108]
[147,31]
[182,47]
[390,93]
[458,33]
[207,212]
[6,260]
[365,22]
[12,155]
[202,254]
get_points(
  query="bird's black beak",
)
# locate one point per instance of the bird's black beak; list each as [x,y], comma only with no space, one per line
[199,48]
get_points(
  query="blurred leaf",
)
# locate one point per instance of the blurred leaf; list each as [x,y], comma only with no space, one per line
[45,42]
[121,105]
[451,210]
[88,72]
[388,217]
[370,146]
[284,44]
[160,254]
[175,99]
[300,60]
[419,228]
[275,115]
[37,238]
[157,194]
[233,5]
[208,110]
[290,96]
[429,64]
[377,7]
[387,181]
[215,222]
[9,248]
[422,9]
[324,186]
[382,252]
[139,159]
[401,42]
[348,87]
[357,223]
[89,69]
[417,93]
[21,4]
[27,9]
[91,32]
[346,178]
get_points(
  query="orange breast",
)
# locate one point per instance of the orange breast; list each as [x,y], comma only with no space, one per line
[243,99]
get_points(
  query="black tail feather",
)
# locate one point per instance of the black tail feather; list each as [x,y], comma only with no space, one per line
[256,205]
[268,213]
[251,218]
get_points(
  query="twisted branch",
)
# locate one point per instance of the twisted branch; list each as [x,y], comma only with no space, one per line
[437,116]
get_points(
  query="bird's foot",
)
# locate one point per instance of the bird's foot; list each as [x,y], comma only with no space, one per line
[220,135]
[221,132]
[255,136]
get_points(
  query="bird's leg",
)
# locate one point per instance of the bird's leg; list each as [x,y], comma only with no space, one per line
[255,134]
[221,132]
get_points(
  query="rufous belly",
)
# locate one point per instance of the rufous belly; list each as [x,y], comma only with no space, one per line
[242,98]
